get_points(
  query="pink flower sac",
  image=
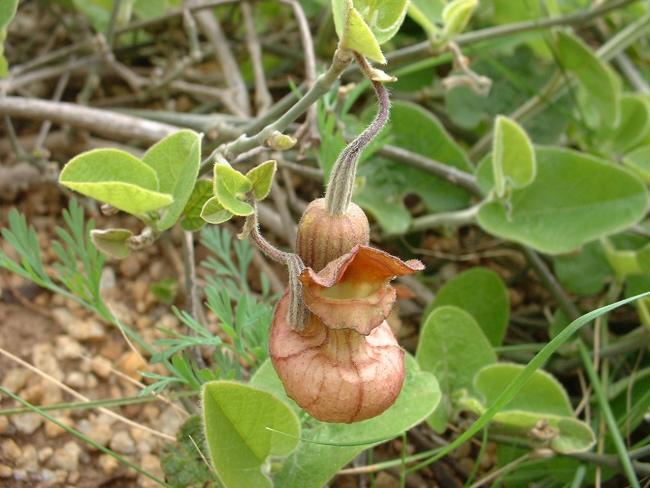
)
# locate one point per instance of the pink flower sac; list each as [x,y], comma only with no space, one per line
[345,365]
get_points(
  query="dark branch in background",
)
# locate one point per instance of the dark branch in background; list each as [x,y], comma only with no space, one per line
[444,171]
[263,98]
[426,49]
[211,27]
[103,122]
[192,293]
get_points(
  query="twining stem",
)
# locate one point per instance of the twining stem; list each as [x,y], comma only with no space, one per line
[295,266]
[341,59]
[341,184]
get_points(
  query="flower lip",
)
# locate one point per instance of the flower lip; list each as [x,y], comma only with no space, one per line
[353,291]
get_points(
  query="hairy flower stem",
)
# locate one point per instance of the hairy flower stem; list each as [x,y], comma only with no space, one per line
[295,266]
[341,184]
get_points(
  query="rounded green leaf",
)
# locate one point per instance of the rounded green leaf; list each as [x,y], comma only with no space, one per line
[595,77]
[237,419]
[566,434]
[214,213]
[201,193]
[639,161]
[230,188]
[453,348]
[513,159]
[7,12]
[633,126]
[117,178]
[363,25]
[313,464]
[456,15]
[482,293]
[176,160]
[542,393]
[112,242]
[574,199]
[584,272]
[358,37]
[261,177]
[386,16]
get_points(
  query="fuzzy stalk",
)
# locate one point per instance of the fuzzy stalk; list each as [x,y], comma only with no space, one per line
[295,266]
[339,189]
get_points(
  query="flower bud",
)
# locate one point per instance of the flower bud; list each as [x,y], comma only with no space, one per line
[324,237]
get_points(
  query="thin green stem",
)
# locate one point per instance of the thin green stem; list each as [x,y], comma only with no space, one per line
[110,402]
[621,449]
[244,143]
[457,218]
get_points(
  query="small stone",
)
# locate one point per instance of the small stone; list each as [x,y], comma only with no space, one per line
[112,350]
[29,459]
[99,429]
[52,430]
[101,366]
[87,330]
[6,471]
[68,348]
[130,363]
[76,380]
[45,453]
[11,450]
[169,421]
[16,379]
[151,412]
[27,423]
[122,443]
[91,381]
[130,266]
[67,457]
[74,477]
[45,360]
[107,463]
[20,475]
[4,425]
[151,464]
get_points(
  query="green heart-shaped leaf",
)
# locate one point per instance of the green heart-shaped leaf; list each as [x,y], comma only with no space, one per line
[112,242]
[456,15]
[483,294]
[214,213]
[230,187]
[574,199]
[353,32]
[639,161]
[513,159]
[596,78]
[453,348]
[176,160]
[237,420]
[261,177]
[192,220]
[117,178]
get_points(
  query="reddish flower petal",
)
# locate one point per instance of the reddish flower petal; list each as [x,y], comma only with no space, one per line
[353,291]
[336,375]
